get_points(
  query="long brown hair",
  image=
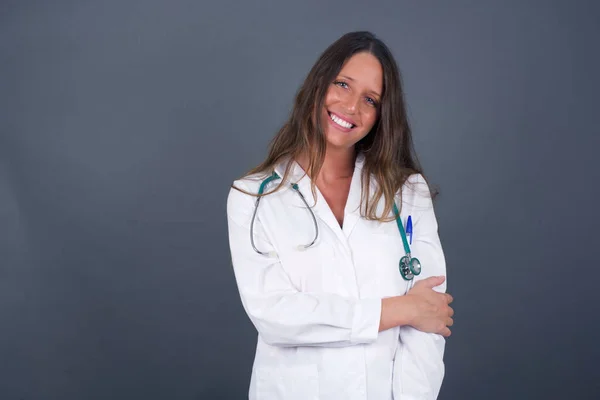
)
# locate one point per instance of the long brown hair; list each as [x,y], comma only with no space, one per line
[388,148]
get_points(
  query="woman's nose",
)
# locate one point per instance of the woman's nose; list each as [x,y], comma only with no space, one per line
[351,103]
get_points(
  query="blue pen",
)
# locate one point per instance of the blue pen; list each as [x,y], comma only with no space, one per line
[409,229]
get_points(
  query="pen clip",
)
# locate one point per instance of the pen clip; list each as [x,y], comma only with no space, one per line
[409,229]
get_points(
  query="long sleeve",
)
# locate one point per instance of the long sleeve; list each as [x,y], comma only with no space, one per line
[418,364]
[282,315]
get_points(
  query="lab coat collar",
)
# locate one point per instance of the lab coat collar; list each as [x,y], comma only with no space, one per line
[319,204]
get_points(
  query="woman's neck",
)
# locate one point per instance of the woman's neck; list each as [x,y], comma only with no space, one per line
[337,165]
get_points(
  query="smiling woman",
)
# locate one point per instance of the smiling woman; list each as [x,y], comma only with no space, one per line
[351,101]
[324,267]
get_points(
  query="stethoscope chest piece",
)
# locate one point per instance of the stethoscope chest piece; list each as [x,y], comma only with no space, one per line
[409,267]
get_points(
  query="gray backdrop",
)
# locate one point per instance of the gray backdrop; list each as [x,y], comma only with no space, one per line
[124,122]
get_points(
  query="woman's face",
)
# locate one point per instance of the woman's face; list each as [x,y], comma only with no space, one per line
[352,101]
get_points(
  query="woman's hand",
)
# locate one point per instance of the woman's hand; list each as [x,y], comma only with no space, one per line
[422,307]
[431,310]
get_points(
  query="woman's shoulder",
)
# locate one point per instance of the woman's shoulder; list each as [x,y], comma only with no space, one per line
[416,191]
[252,182]
[416,182]
[243,194]
[240,199]
[249,183]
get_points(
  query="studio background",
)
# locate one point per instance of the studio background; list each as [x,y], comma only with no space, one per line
[123,123]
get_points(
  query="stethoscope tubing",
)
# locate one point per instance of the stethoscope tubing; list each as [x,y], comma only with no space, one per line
[409,266]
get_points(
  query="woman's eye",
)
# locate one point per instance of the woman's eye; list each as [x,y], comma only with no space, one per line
[341,84]
[371,102]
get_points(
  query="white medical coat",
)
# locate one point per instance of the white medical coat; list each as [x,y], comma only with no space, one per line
[317,311]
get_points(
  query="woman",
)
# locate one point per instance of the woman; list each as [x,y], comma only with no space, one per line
[317,264]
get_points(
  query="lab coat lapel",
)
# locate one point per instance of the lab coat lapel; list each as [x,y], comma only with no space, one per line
[318,205]
[352,209]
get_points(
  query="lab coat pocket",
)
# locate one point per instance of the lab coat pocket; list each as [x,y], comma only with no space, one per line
[387,250]
[298,382]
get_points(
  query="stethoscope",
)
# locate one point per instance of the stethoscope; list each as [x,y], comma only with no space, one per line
[409,266]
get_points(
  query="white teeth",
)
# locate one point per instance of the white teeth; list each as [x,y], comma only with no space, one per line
[340,122]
